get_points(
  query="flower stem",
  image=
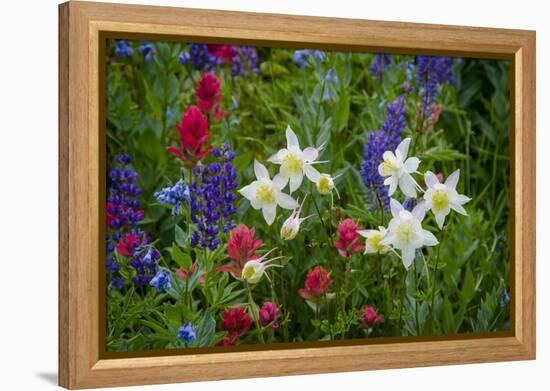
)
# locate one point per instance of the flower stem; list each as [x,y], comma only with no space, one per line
[254,315]
[416,301]
[434,280]
[401,302]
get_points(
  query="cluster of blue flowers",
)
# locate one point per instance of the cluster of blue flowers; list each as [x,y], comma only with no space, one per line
[200,56]
[331,78]
[174,195]
[161,281]
[379,64]
[212,198]
[187,333]
[302,57]
[378,142]
[122,211]
[245,59]
[123,49]
[148,51]
[144,261]
[431,72]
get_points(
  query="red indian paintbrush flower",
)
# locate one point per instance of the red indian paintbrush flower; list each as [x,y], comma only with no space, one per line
[224,53]
[209,96]
[237,323]
[193,132]
[128,243]
[348,238]
[370,318]
[316,284]
[241,248]
[269,315]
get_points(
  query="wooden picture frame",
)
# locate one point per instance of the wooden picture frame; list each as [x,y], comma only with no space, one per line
[83,25]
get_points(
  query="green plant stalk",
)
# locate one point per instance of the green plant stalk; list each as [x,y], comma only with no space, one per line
[254,316]
[416,301]
[434,280]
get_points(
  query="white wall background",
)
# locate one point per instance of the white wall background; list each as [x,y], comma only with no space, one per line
[28,194]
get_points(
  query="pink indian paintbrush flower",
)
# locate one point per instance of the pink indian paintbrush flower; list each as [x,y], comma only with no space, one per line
[236,322]
[224,53]
[348,238]
[269,315]
[193,132]
[209,95]
[316,284]
[187,274]
[370,318]
[241,248]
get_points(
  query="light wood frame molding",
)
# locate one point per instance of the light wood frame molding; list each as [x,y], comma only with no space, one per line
[81,25]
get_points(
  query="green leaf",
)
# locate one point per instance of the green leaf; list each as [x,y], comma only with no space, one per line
[447,317]
[180,237]
[206,330]
[341,114]
[182,259]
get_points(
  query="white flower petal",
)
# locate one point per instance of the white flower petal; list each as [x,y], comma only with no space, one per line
[459,209]
[452,180]
[403,149]
[279,181]
[256,204]
[310,154]
[395,207]
[365,232]
[291,139]
[431,179]
[296,181]
[388,239]
[275,159]
[269,212]
[461,199]
[419,211]
[260,171]
[407,185]
[411,164]
[429,238]
[407,256]
[440,220]
[249,191]
[312,173]
[286,201]
[393,185]
[389,156]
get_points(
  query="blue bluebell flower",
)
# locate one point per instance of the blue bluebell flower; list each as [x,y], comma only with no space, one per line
[144,261]
[504,298]
[123,49]
[379,64]
[246,58]
[330,78]
[212,199]
[378,142]
[148,51]
[318,55]
[235,102]
[174,195]
[184,58]
[161,281]
[117,282]
[187,333]
[301,57]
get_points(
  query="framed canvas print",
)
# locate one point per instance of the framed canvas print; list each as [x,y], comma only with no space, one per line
[251,195]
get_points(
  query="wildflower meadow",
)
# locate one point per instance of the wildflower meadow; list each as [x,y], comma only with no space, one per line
[265,195]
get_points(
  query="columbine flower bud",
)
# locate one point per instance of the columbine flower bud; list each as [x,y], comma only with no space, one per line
[254,269]
[325,184]
[291,226]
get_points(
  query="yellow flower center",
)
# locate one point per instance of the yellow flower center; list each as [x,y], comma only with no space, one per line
[292,164]
[405,232]
[248,273]
[440,200]
[374,242]
[325,184]
[265,193]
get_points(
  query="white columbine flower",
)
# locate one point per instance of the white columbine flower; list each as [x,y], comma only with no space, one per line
[265,194]
[397,169]
[442,197]
[291,226]
[254,270]
[295,162]
[405,231]
[323,182]
[374,236]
